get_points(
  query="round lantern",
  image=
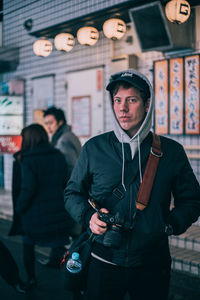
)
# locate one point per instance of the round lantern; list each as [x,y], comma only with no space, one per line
[87,36]
[177,11]
[64,41]
[114,29]
[42,47]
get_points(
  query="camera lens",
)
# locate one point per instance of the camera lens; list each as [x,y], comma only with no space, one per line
[112,238]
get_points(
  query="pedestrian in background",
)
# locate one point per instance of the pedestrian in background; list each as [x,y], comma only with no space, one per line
[39,201]
[131,254]
[61,135]
[68,143]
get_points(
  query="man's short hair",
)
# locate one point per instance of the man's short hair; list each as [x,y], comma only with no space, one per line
[58,114]
[129,78]
[126,85]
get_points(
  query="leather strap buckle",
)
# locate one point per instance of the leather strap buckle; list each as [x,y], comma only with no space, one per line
[117,193]
[160,154]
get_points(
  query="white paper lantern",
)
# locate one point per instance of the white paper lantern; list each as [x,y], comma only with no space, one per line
[42,47]
[114,29]
[64,41]
[87,36]
[177,11]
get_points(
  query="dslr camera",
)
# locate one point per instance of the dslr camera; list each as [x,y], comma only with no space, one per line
[112,237]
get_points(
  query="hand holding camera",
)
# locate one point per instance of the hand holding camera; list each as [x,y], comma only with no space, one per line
[98,226]
[102,222]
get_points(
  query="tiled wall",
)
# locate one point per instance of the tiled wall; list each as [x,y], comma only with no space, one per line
[47,13]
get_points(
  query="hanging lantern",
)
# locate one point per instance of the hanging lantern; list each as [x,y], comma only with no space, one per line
[177,11]
[42,47]
[64,41]
[114,29]
[87,36]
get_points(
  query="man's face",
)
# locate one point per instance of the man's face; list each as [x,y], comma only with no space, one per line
[129,109]
[51,124]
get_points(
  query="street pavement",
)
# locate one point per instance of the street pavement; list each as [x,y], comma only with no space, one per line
[50,281]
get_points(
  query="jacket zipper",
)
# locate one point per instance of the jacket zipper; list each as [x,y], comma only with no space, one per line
[130,205]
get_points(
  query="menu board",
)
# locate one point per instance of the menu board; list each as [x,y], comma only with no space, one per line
[161,97]
[192,95]
[177,96]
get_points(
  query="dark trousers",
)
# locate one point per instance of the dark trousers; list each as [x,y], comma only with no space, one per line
[106,282]
[8,267]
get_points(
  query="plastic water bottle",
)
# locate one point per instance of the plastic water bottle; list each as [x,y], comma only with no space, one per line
[74,264]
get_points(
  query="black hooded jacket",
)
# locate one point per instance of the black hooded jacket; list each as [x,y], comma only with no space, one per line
[108,161]
[98,172]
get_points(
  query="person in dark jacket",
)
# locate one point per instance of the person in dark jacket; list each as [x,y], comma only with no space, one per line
[39,202]
[131,256]
[16,227]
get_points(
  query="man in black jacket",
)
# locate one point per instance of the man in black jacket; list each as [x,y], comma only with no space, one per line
[132,255]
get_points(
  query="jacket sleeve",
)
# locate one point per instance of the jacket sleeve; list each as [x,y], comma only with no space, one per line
[186,193]
[28,187]
[70,146]
[77,191]
[16,181]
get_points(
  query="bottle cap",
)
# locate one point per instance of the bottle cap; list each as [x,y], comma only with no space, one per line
[75,255]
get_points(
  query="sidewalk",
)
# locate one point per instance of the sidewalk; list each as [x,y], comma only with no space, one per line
[6,210]
[50,282]
[184,285]
[50,285]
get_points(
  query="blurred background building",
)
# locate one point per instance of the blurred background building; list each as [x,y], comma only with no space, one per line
[62,52]
[74,77]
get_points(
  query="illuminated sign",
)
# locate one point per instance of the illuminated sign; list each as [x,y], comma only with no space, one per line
[11,115]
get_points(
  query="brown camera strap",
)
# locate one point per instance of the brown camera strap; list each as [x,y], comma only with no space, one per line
[149,174]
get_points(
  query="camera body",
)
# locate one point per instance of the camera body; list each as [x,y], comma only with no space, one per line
[109,219]
[112,236]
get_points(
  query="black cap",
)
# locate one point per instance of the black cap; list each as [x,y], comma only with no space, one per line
[131,78]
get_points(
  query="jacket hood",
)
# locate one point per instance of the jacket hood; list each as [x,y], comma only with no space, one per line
[42,149]
[138,81]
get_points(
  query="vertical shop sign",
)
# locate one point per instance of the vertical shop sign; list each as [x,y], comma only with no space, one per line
[161,97]
[192,95]
[176,96]
[99,80]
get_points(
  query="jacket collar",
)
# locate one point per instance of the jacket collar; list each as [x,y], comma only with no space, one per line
[63,128]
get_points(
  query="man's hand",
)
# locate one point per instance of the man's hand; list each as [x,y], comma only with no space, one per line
[96,225]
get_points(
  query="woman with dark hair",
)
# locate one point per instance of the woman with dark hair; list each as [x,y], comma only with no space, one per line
[39,200]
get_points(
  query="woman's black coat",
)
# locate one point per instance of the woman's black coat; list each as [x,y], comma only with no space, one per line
[16,227]
[40,201]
